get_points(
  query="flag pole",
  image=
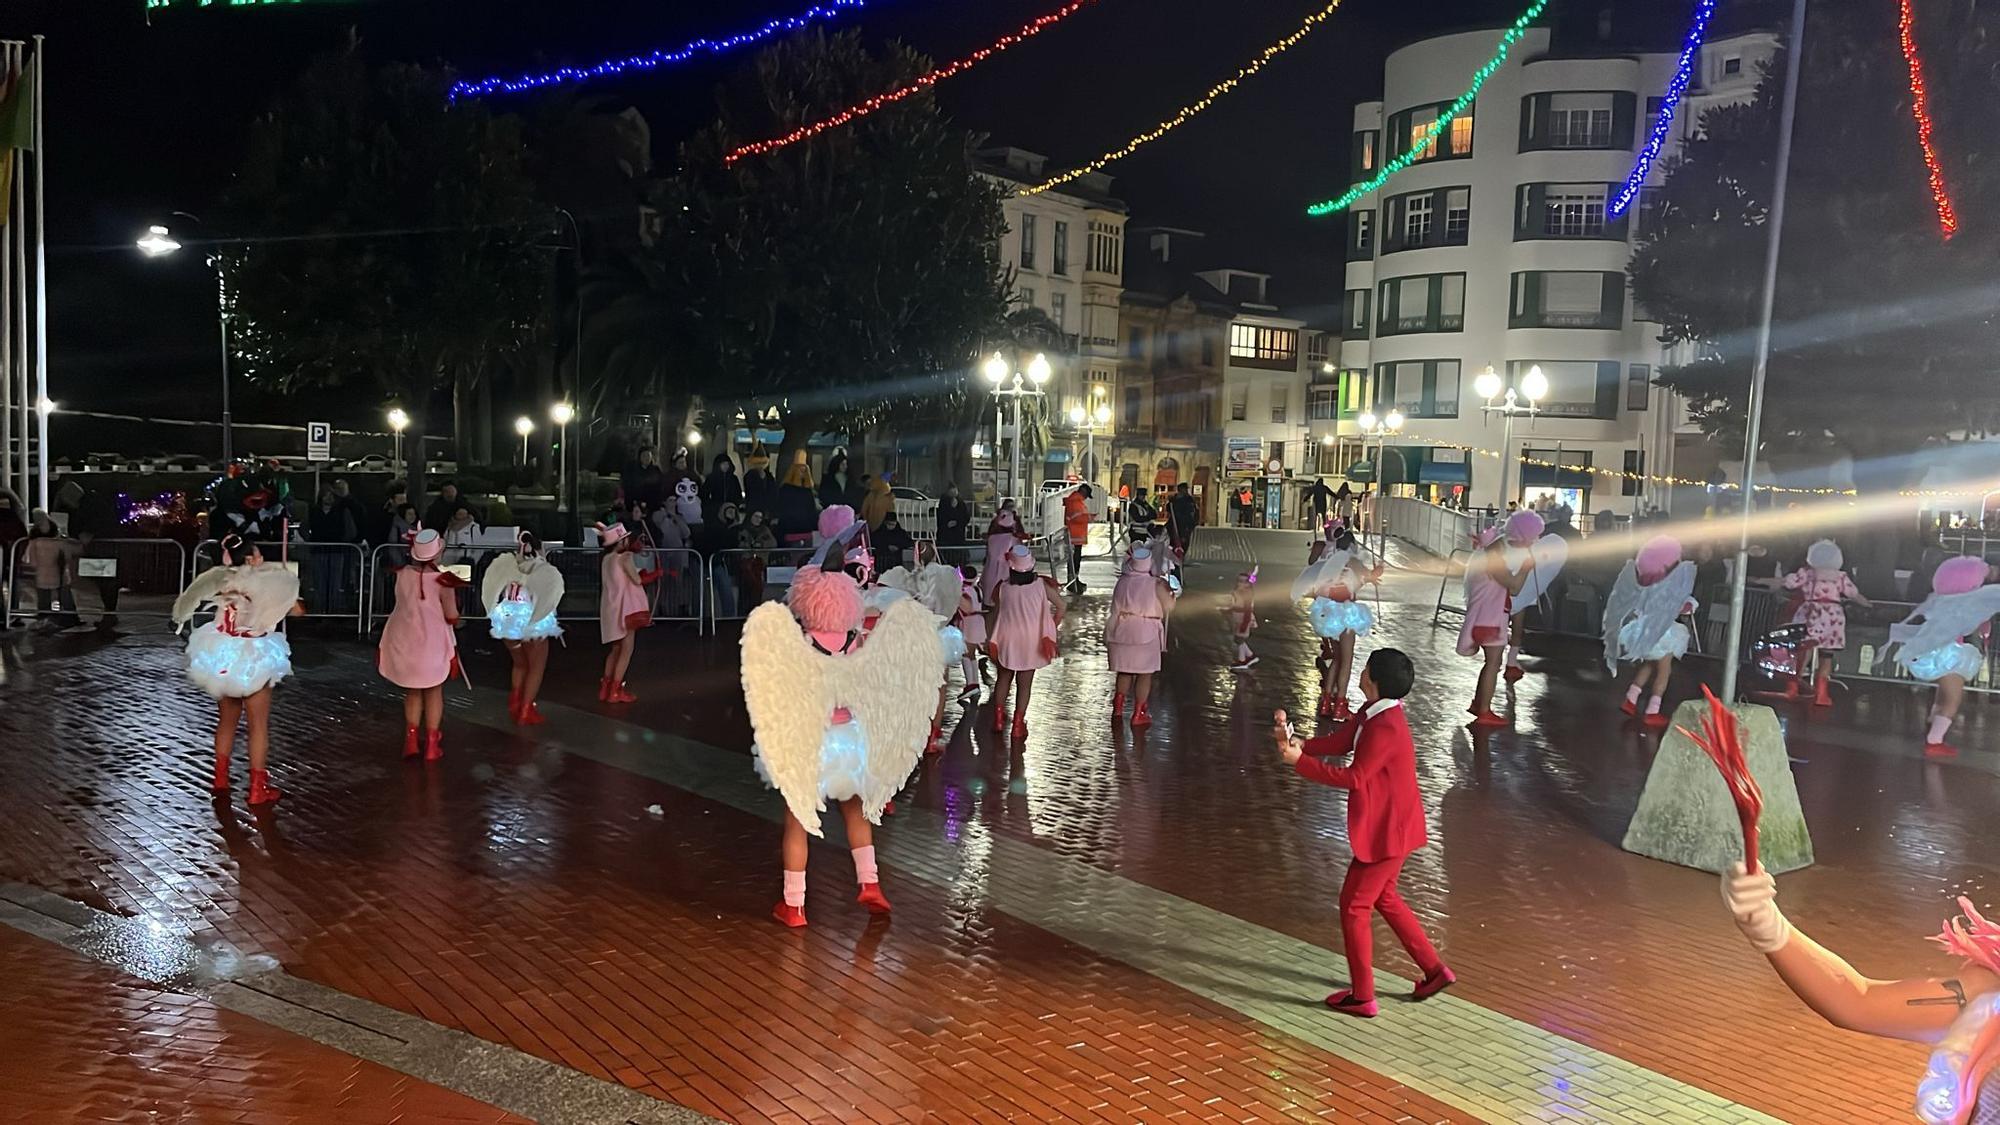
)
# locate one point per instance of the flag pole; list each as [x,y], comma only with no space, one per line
[41,289]
[9,69]
[17,205]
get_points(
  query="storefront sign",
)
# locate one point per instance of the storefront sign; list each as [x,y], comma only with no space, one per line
[1244,456]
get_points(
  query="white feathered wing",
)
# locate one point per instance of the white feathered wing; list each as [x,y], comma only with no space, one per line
[1320,574]
[1656,606]
[263,595]
[1946,618]
[502,572]
[1549,553]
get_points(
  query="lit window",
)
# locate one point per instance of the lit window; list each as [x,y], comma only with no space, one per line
[1461,134]
[1368,152]
[1275,345]
[1421,121]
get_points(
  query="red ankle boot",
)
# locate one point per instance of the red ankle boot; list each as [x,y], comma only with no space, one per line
[409,742]
[530,716]
[433,745]
[936,743]
[999,716]
[871,897]
[789,915]
[1020,724]
[1823,693]
[604,690]
[1325,706]
[514,705]
[1141,718]
[262,792]
[620,695]
[220,783]
[1117,705]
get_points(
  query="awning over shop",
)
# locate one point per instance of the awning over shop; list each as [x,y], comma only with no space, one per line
[1548,476]
[1443,472]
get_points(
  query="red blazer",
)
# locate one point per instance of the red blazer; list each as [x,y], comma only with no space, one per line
[1385,811]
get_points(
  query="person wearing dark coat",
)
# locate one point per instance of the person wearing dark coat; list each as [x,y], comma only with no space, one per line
[892,544]
[798,511]
[954,516]
[760,493]
[643,481]
[720,488]
[834,483]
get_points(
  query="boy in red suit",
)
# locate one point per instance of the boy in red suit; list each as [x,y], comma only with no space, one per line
[1385,823]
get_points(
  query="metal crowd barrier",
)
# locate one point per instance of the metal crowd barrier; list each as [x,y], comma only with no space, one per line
[1864,657]
[111,578]
[333,577]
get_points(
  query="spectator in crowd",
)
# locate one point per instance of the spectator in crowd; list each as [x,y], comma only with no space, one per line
[52,557]
[877,502]
[681,469]
[720,488]
[1321,497]
[892,544]
[833,482]
[344,494]
[953,518]
[12,528]
[441,509]
[1076,521]
[642,479]
[755,538]
[714,537]
[461,535]
[1182,516]
[385,520]
[402,522]
[330,528]
[798,511]
[760,492]
[673,538]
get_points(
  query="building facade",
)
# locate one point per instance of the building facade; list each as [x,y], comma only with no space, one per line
[1169,399]
[1065,251]
[1494,248]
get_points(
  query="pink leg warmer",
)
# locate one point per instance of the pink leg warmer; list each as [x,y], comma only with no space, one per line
[1632,694]
[1653,706]
[1939,725]
[795,889]
[864,865]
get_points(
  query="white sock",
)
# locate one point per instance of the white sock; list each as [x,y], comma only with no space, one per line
[1632,695]
[864,866]
[1513,657]
[1653,708]
[1939,725]
[969,667]
[795,889]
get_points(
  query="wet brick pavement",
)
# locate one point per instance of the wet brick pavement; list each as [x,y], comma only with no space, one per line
[526,895]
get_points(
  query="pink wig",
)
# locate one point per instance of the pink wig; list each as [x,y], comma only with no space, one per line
[1484,539]
[1961,575]
[1661,554]
[835,520]
[1523,528]
[825,601]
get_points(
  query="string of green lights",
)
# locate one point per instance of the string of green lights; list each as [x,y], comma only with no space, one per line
[1437,128]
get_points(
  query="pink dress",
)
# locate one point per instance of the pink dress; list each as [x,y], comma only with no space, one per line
[996,564]
[1022,619]
[1486,609]
[621,596]
[971,620]
[419,649]
[1137,632]
[1822,593]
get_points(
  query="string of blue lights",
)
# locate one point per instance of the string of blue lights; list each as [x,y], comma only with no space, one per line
[652,60]
[1663,122]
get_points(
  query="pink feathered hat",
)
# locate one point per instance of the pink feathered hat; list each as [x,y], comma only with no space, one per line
[835,520]
[825,601]
[1486,538]
[1961,575]
[1661,554]
[1524,527]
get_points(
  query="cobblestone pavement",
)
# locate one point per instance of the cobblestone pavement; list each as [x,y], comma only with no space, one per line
[1087,926]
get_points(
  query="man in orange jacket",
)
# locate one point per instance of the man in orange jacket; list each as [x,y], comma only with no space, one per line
[1385,823]
[1076,520]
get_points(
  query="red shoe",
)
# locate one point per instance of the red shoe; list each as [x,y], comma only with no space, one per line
[1342,710]
[1117,705]
[1656,719]
[531,716]
[871,897]
[1823,695]
[1488,719]
[620,695]
[220,783]
[1514,673]
[1325,706]
[514,705]
[604,690]
[1141,718]
[999,717]
[1345,1003]
[1940,750]
[262,792]
[1021,726]
[409,742]
[433,745]
[1792,688]
[789,915]
[1433,984]
[1629,707]
[936,743]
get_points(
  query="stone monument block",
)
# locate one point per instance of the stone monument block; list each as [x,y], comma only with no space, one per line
[1685,815]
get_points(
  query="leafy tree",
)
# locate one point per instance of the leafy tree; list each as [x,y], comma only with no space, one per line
[842,280]
[382,237]
[1884,332]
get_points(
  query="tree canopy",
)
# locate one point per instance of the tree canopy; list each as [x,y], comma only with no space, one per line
[1884,332]
[838,279]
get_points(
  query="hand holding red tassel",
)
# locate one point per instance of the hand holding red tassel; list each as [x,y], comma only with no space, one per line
[1721,739]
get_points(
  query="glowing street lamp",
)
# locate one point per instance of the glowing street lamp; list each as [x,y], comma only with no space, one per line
[1524,398]
[524,426]
[156,241]
[995,370]
[159,242]
[562,414]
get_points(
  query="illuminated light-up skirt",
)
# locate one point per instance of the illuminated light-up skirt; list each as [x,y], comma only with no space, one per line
[1674,642]
[1938,1099]
[951,640]
[1332,619]
[227,666]
[1959,659]
[509,622]
[844,764]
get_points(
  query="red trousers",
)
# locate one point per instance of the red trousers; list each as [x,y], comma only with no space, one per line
[1369,888]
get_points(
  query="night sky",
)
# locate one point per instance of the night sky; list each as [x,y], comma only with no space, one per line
[144,119]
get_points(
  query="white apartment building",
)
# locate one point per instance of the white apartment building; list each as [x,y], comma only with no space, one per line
[1065,249]
[1495,248]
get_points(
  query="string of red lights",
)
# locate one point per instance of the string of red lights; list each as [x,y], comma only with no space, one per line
[859,110]
[1920,106]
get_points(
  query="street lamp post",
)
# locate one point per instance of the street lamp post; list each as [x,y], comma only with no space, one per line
[995,371]
[1534,387]
[399,420]
[158,242]
[1379,429]
[524,426]
[562,414]
[1088,421]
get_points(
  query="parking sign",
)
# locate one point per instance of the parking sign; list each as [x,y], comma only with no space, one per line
[319,441]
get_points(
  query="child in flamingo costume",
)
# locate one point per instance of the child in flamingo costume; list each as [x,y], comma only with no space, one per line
[1491,586]
[1334,582]
[622,608]
[1242,612]
[1136,635]
[239,655]
[419,650]
[839,713]
[1642,622]
[522,592]
[1027,615]
[1930,643]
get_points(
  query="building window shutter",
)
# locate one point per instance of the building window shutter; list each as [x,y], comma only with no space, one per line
[1534,120]
[1609,378]
[1614,300]
[1624,120]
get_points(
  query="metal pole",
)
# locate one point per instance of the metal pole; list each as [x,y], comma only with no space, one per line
[41,283]
[1506,454]
[1014,471]
[10,55]
[222,317]
[1752,437]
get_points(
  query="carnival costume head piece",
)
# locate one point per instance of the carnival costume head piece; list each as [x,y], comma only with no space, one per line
[1969,1052]
[610,536]
[1248,577]
[825,599]
[1661,554]
[426,546]
[835,520]
[1824,554]
[1142,561]
[799,475]
[1961,575]
[1487,537]
[1020,560]
[1523,528]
